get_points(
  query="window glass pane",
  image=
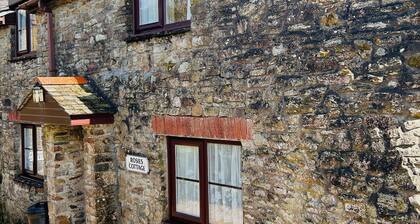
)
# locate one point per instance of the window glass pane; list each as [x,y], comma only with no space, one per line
[188,197]
[22,38]
[34,27]
[187,164]
[40,152]
[224,164]
[149,11]
[178,10]
[187,180]
[28,149]
[224,173]
[225,205]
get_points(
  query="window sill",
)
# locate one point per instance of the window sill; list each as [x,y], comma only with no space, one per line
[153,34]
[28,56]
[30,181]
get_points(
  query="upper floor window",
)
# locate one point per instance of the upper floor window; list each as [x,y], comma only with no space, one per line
[32,151]
[161,15]
[27,30]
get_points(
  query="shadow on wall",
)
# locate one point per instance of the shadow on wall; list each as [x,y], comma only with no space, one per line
[96,89]
[4,219]
[2,215]
[2,209]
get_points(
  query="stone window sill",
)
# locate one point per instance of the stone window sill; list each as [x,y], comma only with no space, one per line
[30,181]
[150,35]
[28,56]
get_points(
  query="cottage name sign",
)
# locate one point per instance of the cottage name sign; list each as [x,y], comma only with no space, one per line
[137,164]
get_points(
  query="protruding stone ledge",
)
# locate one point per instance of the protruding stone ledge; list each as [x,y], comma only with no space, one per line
[410,125]
[406,141]
[31,182]
[415,201]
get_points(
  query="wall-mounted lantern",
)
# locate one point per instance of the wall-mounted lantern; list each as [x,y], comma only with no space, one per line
[38,94]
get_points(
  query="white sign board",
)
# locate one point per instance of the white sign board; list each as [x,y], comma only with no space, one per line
[137,164]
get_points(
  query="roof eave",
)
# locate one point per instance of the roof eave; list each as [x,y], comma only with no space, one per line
[92,119]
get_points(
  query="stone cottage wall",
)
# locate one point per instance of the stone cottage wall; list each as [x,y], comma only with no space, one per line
[406,140]
[14,81]
[101,184]
[325,83]
[65,174]
[15,195]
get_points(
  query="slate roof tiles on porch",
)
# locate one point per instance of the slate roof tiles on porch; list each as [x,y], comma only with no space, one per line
[68,100]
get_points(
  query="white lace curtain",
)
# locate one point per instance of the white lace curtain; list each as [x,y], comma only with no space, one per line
[224,173]
[187,185]
[225,195]
[149,11]
[28,148]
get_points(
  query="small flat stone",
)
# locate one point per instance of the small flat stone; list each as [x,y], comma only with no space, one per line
[413,124]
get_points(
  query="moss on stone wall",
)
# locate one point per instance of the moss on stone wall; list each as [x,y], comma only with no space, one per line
[414,61]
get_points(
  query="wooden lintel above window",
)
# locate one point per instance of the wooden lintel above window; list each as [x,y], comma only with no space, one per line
[63,101]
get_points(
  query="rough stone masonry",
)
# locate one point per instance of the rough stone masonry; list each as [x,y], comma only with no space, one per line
[331,88]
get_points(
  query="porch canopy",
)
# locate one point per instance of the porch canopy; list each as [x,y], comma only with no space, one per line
[63,101]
